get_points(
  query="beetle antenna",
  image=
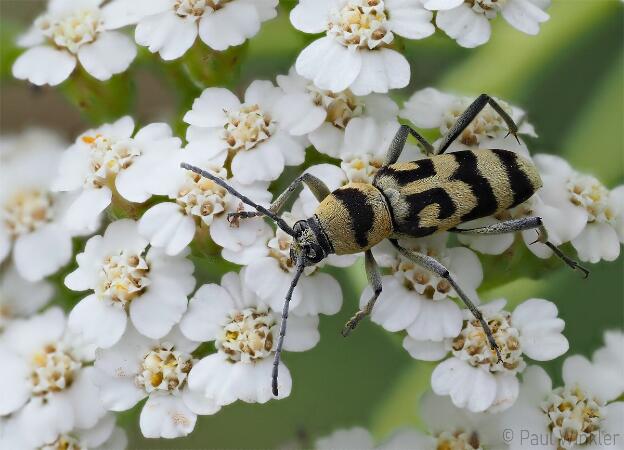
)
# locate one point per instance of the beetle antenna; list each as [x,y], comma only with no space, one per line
[282,331]
[278,220]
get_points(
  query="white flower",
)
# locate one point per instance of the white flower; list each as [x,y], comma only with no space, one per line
[472,377]
[326,117]
[46,385]
[127,280]
[244,330]
[109,161]
[201,206]
[611,358]
[468,21]
[138,367]
[249,131]
[417,300]
[581,414]
[20,298]
[430,108]
[30,214]
[73,30]
[269,272]
[588,214]
[354,54]
[104,435]
[355,438]
[170,27]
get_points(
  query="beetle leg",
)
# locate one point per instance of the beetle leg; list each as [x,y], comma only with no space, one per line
[318,188]
[469,115]
[374,278]
[436,267]
[398,143]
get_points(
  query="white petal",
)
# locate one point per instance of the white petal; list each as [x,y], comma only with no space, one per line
[436,5]
[5,243]
[327,139]
[98,434]
[263,163]
[426,108]
[577,370]
[612,425]
[44,65]
[351,439]
[85,399]
[206,314]
[381,70]
[311,16]
[436,320]
[42,252]
[297,114]
[166,416]
[33,36]
[166,33]
[507,388]
[208,108]
[424,350]
[329,65]
[409,19]
[524,15]
[110,54]
[199,404]
[98,322]
[269,282]
[165,225]
[25,337]
[84,212]
[395,308]
[302,333]
[156,311]
[468,28]
[321,294]
[14,389]
[597,241]
[469,387]
[466,267]
[41,422]
[230,25]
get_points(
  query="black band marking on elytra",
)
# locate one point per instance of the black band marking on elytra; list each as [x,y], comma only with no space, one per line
[424,169]
[361,212]
[417,202]
[519,182]
[469,173]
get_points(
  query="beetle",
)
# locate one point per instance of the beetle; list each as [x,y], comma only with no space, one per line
[407,200]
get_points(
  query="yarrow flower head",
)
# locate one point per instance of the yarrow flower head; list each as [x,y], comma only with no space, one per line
[113,160]
[46,380]
[472,376]
[138,367]
[589,215]
[71,31]
[170,27]
[127,280]
[355,53]
[20,298]
[468,21]
[31,215]
[200,206]
[244,329]
[333,120]
[581,414]
[249,133]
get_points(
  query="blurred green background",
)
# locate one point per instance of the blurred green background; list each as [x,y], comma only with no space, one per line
[569,78]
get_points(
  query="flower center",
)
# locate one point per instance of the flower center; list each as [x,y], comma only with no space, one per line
[196,8]
[415,278]
[247,127]
[72,30]
[341,106]
[279,248]
[122,278]
[164,369]
[248,336]
[360,168]
[53,370]
[488,122]
[64,442]
[587,192]
[27,210]
[459,440]
[201,197]
[489,8]
[472,345]
[360,23]
[108,157]
[574,416]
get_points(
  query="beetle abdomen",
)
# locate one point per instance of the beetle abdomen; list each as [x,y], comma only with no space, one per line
[438,193]
[354,217]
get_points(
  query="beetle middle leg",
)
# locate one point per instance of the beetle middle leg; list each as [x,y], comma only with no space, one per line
[436,267]
[374,278]
[398,144]
[525,223]
[469,115]
[318,188]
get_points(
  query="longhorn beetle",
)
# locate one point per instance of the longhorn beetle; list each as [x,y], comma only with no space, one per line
[406,200]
